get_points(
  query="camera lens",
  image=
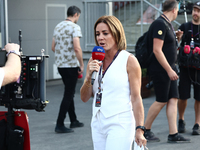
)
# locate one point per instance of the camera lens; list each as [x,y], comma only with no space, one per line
[149,85]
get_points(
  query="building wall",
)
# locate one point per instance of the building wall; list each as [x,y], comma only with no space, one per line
[37,19]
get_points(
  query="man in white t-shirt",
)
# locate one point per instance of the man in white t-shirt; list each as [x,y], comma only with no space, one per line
[69,60]
[12,69]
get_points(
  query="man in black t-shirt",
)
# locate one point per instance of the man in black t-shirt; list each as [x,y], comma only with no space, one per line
[188,74]
[162,69]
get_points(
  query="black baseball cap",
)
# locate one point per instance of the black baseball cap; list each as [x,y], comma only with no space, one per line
[197,5]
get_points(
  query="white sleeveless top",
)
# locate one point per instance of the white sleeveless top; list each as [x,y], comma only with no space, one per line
[115,88]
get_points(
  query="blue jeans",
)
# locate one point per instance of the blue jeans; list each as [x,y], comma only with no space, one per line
[69,78]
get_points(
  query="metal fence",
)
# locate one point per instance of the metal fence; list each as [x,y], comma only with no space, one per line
[135,16]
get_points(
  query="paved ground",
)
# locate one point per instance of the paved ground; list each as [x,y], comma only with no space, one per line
[42,124]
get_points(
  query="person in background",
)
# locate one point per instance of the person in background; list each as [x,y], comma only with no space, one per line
[190,75]
[162,41]
[69,60]
[117,104]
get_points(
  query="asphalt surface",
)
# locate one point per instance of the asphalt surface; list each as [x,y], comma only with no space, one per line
[42,124]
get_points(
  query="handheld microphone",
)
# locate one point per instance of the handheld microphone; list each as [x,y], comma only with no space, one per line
[98,53]
[80,75]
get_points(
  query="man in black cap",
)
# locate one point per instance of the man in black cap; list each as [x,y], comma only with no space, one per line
[189,73]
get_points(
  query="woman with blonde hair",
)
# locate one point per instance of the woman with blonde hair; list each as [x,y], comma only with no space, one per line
[117,88]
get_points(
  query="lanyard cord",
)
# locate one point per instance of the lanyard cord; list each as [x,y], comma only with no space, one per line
[163,15]
[101,75]
[170,23]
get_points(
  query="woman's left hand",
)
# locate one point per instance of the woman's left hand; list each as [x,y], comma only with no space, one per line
[139,138]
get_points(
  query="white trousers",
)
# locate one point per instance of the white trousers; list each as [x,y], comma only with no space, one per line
[113,133]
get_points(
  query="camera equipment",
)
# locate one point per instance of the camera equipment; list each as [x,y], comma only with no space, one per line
[2,57]
[149,85]
[29,92]
[189,51]
[185,7]
[189,57]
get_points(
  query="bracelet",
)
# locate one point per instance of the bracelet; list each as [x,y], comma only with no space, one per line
[141,127]
[14,52]
[87,83]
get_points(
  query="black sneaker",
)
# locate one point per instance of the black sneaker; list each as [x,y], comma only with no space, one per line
[151,137]
[196,130]
[63,129]
[177,139]
[181,126]
[76,124]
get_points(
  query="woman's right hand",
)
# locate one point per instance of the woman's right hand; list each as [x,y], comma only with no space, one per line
[93,65]
[86,89]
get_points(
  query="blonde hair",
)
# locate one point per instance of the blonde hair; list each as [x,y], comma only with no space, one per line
[116,29]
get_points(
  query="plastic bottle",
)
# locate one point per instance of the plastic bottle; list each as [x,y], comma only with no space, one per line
[192,43]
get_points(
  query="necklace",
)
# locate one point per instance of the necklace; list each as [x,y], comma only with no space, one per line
[68,20]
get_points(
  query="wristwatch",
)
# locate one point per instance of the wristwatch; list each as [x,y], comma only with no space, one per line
[14,52]
[141,127]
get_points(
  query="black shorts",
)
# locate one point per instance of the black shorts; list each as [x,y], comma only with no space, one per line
[165,89]
[188,77]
